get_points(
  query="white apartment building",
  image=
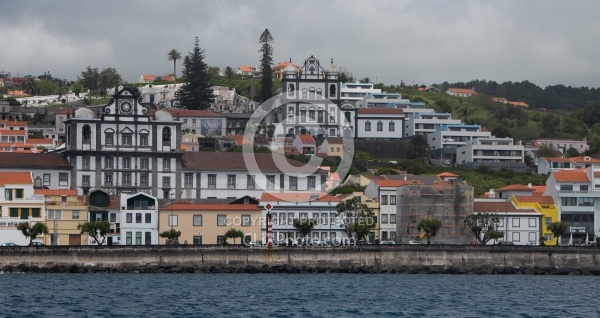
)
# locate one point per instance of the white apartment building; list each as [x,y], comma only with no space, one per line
[378,123]
[385,192]
[204,122]
[419,123]
[223,175]
[380,100]
[355,92]
[453,136]
[139,219]
[576,193]
[490,150]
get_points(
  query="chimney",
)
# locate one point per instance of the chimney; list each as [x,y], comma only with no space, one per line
[491,194]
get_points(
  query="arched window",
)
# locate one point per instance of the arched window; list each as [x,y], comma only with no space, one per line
[303,113]
[311,93]
[379,126]
[368,126]
[319,93]
[109,137]
[86,134]
[392,126]
[311,113]
[304,93]
[291,89]
[166,134]
[332,90]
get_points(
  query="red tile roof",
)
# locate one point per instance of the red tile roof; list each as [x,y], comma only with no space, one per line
[297,197]
[577,175]
[515,187]
[234,161]
[15,178]
[306,139]
[585,159]
[396,183]
[211,207]
[557,159]
[447,174]
[37,161]
[517,104]
[498,207]
[462,90]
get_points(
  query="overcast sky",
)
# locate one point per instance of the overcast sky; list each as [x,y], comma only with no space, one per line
[547,42]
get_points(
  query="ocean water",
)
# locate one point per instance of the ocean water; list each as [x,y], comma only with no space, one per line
[296,295]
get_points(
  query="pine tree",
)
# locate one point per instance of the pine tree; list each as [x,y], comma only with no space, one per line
[266,62]
[196,92]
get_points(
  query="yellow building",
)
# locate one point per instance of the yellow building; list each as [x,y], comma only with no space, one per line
[206,223]
[333,146]
[65,210]
[373,205]
[543,205]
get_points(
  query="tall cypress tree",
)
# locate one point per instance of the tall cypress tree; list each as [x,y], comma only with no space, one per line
[266,62]
[196,92]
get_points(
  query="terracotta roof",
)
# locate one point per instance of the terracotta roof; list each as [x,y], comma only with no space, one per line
[240,140]
[13,132]
[538,190]
[55,192]
[517,104]
[515,187]
[447,174]
[148,77]
[380,111]
[39,161]
[15,178]
[557,159]
[396,183]
[234,162]
[245,68]
[40,141]
[500,207]
[585,159]
[462,90]
[211,207]
[576,175]
[297,197]
[306,139]
[335,140]
[543,199]
[18,123]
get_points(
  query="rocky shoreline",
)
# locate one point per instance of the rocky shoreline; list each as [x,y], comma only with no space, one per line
[286,269]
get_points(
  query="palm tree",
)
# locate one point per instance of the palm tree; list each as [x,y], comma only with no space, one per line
[174,56]
[31,86]
[229,73]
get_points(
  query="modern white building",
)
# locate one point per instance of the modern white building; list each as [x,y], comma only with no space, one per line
[354,92]
[490,150]
[419,123]
[380,100]
[139,219]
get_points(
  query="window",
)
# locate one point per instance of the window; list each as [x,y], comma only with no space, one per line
[332,218]
[85,180]
[128,238]
[86,134]
[311,114]
[586,201]
[193,121]
[138,218]
[126,178]
[230,181]
[368,126]
[144,164]
[548,221]
[75,215]
[516,236]
[63,178]
[173,219]
[303,216]
[379,126]
[392,218]
[384,200]
[250,183]
[166,164]
[109,138]
[532,222]
[270,182]
[138,238]
[46,179]
[166,181]
[569,201]
[144,180]
[113,217]
[108,179]
[332,90]
[148,217]
[293,183]
[197,219]
[566,187]
[188,179]
[166,135]
[548,237]
[85,162]
[212,181]
[392,199]
[245,220]
[108,163]
[583,187]
[392,126]
[129,218]
[311,182]
[320,116]
[148,238]
[303,114]
[126,163]
[384,219]
[52,214]
[221,218]
[221,239]
[144,140]
[126,139]
[311,93]
[516,222]
[197,240]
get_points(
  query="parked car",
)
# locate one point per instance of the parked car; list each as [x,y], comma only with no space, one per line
[9,244]
[505,243]
[257,243]
[387,243]
[37,244]
[415,242]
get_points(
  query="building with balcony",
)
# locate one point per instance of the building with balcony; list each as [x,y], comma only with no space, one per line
[351,93]
[447,138]
[124,149]
[139,219]
[422,123]
[381,100]
[105,207]
[489,151]
[65,210]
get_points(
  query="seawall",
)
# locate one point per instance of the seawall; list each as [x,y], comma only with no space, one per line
[367,259]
